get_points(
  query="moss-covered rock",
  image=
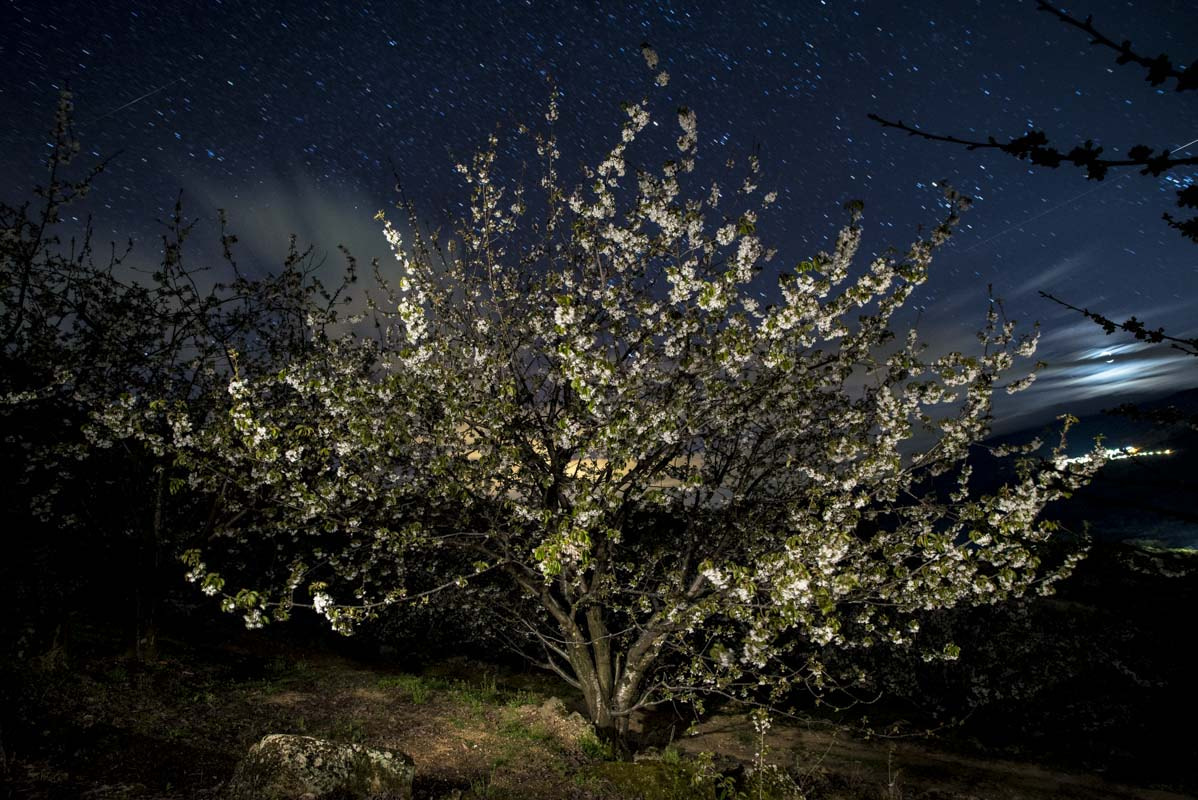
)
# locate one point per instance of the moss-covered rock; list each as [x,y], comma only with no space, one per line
[283,767]
[656,780]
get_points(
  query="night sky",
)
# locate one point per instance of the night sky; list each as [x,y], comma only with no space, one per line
[292,115]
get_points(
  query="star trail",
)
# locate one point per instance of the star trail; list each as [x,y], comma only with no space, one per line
[298,117]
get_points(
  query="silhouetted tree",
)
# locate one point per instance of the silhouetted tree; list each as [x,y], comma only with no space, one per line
[80,331]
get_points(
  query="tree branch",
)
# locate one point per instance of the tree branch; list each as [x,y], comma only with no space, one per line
[1034,147]
[1133,326]
[1159,69]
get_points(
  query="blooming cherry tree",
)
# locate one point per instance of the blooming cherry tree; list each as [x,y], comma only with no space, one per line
[578,420]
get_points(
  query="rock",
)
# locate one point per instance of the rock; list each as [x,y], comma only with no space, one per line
[646,754]
[282,767]
[554,707]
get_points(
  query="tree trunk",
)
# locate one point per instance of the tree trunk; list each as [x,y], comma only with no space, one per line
[610,693]
[145,630]
[610,680]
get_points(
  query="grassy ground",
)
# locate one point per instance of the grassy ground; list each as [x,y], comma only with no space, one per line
[107,726]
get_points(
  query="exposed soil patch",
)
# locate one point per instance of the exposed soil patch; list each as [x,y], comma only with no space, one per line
[174,728]
[830,763]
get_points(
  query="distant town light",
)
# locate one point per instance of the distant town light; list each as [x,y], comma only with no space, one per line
[1119,453]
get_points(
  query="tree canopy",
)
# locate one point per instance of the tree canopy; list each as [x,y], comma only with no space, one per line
[574,422]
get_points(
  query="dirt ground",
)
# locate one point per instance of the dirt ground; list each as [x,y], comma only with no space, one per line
[834,765]
[174,726]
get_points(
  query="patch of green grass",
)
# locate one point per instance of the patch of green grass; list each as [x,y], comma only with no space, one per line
[520,697]
[396,681]
[515,728]
[483,786]
[418,688]
[683,779]
[349,730]
[477,694]
[594,748]
[655,780]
